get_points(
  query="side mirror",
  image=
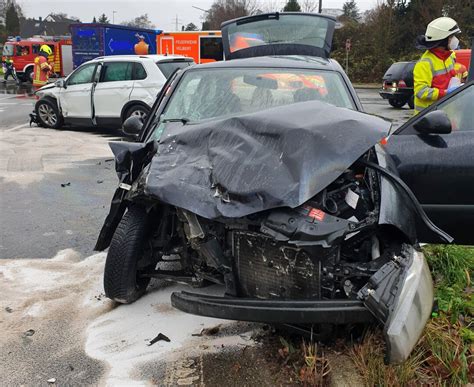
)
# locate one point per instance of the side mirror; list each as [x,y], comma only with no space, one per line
[435,122]
[60,83]
[132,126]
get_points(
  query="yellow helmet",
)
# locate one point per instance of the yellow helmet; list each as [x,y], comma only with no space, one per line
[46,49]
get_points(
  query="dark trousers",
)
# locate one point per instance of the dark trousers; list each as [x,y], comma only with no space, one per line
[10,72]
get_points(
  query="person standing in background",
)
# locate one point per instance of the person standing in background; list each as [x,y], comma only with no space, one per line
[435,70]
[42,68]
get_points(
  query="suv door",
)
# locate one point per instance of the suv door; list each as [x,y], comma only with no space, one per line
[439,169]
[75,99]
[280,33]
[113,90]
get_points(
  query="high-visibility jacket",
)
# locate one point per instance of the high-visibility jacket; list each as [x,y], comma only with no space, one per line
[431,78]
[41,71]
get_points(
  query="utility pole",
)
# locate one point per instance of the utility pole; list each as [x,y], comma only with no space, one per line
[320,9]
[176,21]
[113,16]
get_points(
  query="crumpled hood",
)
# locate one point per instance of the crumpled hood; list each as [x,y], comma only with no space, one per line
[244,164]
[279,157]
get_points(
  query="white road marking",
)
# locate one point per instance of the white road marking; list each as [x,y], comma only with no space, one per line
[17,127]
[8,103]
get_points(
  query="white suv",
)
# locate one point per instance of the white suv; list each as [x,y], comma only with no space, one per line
[106,90]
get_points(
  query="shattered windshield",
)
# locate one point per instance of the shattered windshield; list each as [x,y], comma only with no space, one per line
[207,94]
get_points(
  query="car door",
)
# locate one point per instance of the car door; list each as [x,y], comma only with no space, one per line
[113,90]
[439,168]
[75,98]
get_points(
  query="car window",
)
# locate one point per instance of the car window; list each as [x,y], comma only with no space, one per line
[7,50]
[116,71]
[168,68]
[22,50]
[139,72]
[211,48]
[459,109]
[82,75]
[206,94]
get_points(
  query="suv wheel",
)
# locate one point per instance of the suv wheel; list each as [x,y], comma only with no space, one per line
[397,103]
[137,110]
[48,113]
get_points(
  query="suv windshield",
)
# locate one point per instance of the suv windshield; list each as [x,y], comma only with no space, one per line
[7,50]
[206,94]
[167,68]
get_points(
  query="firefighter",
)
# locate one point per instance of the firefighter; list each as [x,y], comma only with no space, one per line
[435,69]
[10,70]
[42,69]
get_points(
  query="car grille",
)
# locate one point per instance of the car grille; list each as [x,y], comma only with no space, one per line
[270,269]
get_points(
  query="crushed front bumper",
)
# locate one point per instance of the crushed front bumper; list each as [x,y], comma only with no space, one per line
[273,311]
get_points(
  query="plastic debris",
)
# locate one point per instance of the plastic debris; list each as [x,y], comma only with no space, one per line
[160,337]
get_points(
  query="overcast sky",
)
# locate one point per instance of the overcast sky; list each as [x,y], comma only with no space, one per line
[161,12]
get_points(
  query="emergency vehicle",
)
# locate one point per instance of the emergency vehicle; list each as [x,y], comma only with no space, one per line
[202,46]
[24,51]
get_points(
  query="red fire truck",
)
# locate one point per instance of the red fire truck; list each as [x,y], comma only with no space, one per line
[24,52]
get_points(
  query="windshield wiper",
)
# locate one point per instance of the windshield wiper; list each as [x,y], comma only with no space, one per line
[184,121]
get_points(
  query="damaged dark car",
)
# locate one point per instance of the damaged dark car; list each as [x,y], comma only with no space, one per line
[262,174]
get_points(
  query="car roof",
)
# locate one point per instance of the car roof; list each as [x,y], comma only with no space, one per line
[286,61]
[154,58]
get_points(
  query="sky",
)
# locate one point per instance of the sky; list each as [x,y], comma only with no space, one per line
[162,13]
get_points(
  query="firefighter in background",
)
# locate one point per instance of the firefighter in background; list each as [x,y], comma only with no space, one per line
[42,68]
[435,69]
[9,69]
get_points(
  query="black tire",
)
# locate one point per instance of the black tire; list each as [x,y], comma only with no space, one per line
[121,281]
[397,103]
[48,113]
[411,102]
[138,110]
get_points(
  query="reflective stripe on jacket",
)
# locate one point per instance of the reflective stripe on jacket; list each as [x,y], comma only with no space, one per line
[431,79]
[41,71]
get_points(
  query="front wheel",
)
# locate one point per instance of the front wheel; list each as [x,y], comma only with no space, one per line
[122,280]
[48,113]
[396,103]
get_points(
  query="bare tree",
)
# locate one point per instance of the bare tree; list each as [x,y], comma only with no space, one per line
[309,5]
[222,10]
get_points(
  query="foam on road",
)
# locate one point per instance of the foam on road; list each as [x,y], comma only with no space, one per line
[56,323]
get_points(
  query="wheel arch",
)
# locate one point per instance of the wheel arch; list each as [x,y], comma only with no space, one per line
[129,104]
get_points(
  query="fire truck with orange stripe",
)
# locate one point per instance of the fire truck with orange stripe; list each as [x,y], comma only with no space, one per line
[24,51]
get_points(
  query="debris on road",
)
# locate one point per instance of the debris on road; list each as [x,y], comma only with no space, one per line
[160,337]
[29,332]
[8,309]
[52,380]
[65,184]
[100,181]
[208,331]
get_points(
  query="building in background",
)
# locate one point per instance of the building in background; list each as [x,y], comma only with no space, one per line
[51,25]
